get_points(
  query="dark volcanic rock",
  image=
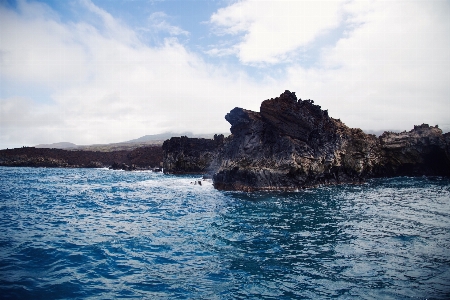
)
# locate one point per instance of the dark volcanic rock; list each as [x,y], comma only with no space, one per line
[139,158]
[122,166]
[421,151]
[292,144]
[183,155]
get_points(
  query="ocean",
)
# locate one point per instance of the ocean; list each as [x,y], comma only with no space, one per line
[103,234]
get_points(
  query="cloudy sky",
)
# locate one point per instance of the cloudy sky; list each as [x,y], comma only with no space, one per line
[102,71]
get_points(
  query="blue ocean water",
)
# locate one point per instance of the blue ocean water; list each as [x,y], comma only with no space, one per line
[101,234]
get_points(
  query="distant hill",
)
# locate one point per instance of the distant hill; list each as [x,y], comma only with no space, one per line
[61,145]
[144,158]
[146,140]
[168,135]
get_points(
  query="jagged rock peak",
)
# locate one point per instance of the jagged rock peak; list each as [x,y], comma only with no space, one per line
[239,118]
[288,95]
[295,118]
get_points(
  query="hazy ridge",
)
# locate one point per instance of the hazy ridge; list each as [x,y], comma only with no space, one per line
[146,140]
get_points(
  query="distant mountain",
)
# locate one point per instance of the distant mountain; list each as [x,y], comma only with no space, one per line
[168,135]
[146,140]
[61,145]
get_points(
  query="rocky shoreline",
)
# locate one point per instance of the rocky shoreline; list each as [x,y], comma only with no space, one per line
[293,144]
[144,158]
[288,145]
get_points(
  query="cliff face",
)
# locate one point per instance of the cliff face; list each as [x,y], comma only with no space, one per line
[292,144]
[183,155]
[421,151]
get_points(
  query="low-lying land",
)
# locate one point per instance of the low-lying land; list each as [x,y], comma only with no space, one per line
[143,158]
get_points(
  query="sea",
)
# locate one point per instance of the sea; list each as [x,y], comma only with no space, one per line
[104,234]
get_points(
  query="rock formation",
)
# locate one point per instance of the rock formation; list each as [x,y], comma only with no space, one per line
[183,155]
[421,151]
[292,144]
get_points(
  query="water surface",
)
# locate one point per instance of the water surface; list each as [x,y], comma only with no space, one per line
[101,234]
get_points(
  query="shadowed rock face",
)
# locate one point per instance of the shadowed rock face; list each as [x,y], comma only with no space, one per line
[183,155]
[421,151]
[292,144]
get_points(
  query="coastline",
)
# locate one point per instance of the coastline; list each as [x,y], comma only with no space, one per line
[291,144]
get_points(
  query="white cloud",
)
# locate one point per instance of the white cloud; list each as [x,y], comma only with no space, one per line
[388,69]
[38,49]
[113,28]
[23,121]
[158,22]
[105,85]
[273,30]
[391,71]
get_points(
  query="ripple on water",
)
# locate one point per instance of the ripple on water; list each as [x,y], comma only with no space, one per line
[95,233]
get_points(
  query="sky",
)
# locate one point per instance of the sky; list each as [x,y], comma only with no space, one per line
[103,71]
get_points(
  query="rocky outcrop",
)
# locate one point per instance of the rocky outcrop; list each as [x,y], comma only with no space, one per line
[122,166]
[143,158]
[183,155]
[292,144]
[421,151]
